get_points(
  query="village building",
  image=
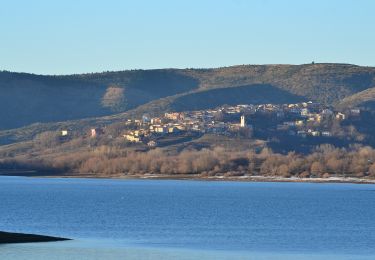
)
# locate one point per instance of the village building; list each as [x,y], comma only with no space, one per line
[96,132]
[305,112]
[64,132]
[180,127]
[152,143]
[326,134]
[232,110]
[313,132]
[340,116]
[299,122]
[207,121]
[135,136]
[128,122]
[242,121]
[172,129]
[355,112]
[155,120]
[315,118]
[131,137]
[159,129]
[174,116]
[197,127]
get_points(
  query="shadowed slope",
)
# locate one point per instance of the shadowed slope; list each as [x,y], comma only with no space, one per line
[27,98]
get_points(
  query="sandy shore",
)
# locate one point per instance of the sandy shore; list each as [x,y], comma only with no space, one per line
[264,179]
[7,238]
[149,176]
[198,177]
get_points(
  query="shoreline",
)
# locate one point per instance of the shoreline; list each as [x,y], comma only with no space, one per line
[267,179]
[197,177]
[254,179]
[13,238]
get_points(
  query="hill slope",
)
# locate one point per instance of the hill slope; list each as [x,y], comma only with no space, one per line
[26,99]
[364,98]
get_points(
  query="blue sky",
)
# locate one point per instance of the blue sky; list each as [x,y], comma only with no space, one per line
[75,36]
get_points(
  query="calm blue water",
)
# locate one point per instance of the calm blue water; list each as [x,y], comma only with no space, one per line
[141,219]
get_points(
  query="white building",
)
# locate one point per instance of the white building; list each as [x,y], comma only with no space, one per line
[243,122]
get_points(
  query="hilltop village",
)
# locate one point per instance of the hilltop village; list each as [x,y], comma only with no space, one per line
[302,120]
[300,140]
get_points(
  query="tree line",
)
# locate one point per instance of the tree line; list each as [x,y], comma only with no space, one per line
[325,161]
[98,157]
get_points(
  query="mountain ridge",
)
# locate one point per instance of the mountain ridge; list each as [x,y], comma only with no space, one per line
[30,98]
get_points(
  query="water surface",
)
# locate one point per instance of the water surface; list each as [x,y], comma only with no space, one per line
[152,219]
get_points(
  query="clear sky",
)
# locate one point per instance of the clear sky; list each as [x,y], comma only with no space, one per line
[75,36]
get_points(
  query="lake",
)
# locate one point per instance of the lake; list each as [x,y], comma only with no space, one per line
[167,219]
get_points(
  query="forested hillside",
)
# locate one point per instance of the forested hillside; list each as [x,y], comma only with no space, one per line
[26,98]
